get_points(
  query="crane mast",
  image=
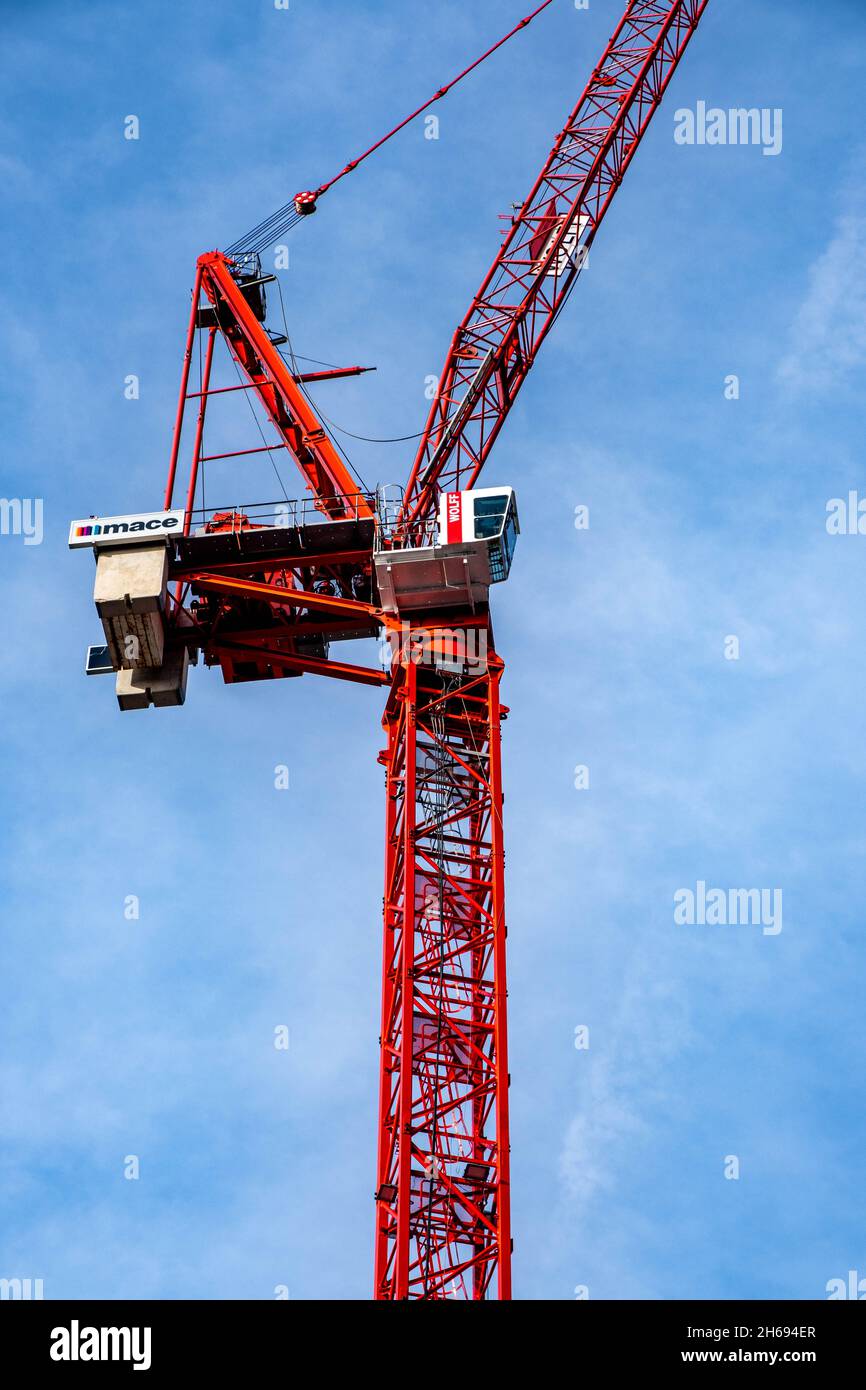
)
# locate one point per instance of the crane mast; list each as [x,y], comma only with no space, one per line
[443,1221]
[262,593]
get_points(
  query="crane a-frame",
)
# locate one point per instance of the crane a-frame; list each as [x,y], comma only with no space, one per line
[264,591]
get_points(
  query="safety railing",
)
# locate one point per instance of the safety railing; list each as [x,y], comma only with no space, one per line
[284,513]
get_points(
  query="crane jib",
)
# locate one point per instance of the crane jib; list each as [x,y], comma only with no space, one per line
[546,248]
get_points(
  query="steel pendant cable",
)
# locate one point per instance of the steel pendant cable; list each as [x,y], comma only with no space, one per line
[259,238]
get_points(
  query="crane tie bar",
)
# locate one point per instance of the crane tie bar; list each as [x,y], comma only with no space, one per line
[303,204]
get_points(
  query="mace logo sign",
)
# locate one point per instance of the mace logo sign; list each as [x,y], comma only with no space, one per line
[120,530]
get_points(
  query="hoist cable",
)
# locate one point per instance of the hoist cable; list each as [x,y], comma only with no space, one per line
[285,218]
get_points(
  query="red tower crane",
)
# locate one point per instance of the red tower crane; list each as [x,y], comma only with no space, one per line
[262,592]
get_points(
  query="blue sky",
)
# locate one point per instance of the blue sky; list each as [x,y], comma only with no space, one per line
[707,519]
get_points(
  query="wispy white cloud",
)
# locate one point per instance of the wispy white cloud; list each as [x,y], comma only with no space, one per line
[828,337]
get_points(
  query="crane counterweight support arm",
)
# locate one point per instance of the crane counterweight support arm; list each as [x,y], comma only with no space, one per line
[496,344]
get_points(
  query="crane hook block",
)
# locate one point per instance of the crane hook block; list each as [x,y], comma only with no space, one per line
[305,204]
